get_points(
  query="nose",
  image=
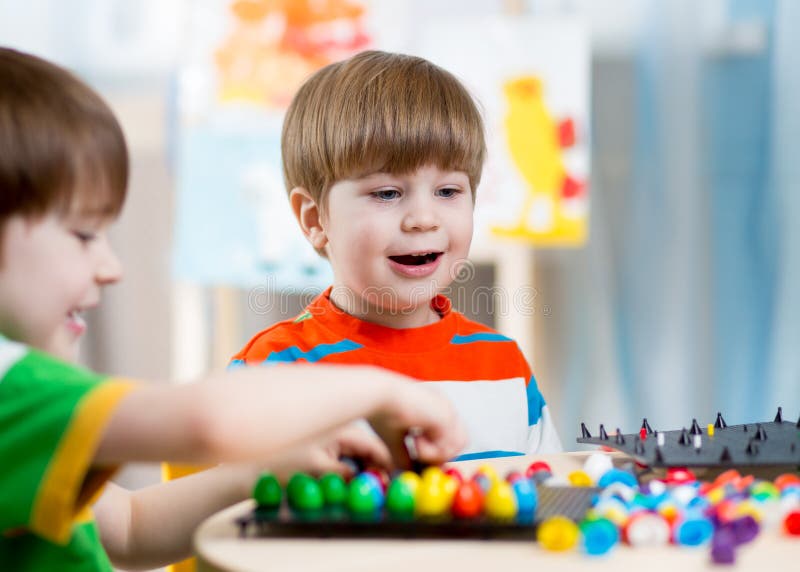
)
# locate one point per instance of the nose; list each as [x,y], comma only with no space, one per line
[421,216]
[109,267]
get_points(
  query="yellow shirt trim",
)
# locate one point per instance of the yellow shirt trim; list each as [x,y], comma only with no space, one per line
[68,485]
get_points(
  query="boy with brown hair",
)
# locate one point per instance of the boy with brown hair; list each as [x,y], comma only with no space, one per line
[382,156]
[64,430]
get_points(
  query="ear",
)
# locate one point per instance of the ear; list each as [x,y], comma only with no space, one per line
[308,216]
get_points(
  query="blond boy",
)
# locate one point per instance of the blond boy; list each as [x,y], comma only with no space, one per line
[382,156]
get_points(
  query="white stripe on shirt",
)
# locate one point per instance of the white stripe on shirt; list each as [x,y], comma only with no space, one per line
[542,437]
[495,413]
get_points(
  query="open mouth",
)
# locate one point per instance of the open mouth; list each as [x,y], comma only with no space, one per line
[76,322]
[416,259]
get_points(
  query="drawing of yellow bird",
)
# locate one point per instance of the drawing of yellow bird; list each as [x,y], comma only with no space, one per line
[535,144]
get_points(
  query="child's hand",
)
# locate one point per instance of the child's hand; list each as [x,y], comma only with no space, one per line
[428,416]
[354,441]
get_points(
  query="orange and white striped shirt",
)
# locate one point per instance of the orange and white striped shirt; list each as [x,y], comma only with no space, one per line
[483,372]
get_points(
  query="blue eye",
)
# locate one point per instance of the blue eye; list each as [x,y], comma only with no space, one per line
[386,194]
[84,237]
[447,192]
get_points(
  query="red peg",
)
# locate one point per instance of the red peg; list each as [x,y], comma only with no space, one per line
[792,523]
[679,476]
[468,501]
[537,466]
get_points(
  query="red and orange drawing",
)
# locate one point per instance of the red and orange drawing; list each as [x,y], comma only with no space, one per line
[275,44]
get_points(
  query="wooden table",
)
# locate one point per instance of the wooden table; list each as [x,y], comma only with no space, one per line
[219,547]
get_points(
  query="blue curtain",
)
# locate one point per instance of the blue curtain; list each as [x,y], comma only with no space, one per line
[782,359]
[694,304]
[738,98]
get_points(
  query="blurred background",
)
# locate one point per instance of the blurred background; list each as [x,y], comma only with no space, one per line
[659,277]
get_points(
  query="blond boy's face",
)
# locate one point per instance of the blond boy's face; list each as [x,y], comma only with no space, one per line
[395,241]
[52,270]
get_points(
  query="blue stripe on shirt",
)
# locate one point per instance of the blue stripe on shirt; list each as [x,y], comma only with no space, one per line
[316,353]
[486,455]
[479,337]
[535,402]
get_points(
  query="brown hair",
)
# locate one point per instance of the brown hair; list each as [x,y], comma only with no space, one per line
[379,111]
[60,145]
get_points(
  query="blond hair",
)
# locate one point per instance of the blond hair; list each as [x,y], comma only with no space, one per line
[379,112]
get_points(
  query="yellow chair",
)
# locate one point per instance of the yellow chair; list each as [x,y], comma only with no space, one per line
[171,472]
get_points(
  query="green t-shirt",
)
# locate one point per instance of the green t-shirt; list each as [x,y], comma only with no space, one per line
[52,416]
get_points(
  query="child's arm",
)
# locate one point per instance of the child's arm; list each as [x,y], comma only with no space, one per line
[154,526]
[259,411]
[252,415]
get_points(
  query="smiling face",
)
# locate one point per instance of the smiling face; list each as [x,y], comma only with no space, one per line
[393,241]
[52,269]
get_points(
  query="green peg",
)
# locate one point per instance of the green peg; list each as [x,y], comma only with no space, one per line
[267,491]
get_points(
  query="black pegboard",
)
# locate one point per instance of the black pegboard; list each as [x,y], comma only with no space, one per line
[772,443]
[572,502]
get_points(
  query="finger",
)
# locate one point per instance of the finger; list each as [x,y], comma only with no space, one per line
[434,453]
[399,453]
[369,448]
[359,442]
[342,468]
[445,436]
[442,448]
